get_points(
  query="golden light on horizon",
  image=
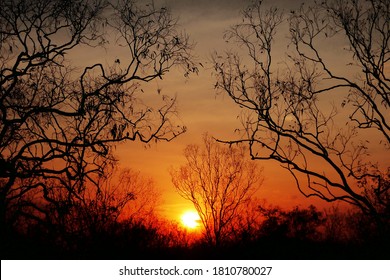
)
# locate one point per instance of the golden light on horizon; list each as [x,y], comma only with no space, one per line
[190,219]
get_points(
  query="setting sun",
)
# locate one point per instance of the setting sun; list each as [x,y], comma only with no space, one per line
[190,219]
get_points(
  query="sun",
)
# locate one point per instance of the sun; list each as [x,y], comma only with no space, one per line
[190,219]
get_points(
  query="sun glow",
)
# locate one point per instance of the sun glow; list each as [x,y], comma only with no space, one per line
[190,219]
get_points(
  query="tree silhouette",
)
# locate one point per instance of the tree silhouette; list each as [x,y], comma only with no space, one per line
[123,197]
[219,181]
[122,194]
[60,119]
[286,114]
[297,223]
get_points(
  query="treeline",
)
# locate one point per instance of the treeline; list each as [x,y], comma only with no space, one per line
[268,233]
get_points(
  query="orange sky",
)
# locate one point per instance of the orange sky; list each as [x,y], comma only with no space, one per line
[200,109]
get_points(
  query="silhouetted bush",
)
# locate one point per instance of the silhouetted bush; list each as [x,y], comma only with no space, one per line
[299,233]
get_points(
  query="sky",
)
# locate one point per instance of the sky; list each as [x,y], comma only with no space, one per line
[202,110]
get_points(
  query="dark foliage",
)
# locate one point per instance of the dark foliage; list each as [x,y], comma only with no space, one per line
[295,234]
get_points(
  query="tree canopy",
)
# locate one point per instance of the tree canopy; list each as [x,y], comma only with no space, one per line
[60,120]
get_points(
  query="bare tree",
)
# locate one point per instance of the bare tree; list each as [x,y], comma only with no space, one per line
[122,195]
[219,181]
[287,116]
[59,119]
[131,194]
